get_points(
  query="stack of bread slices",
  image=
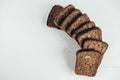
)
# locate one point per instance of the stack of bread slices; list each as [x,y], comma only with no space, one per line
[79,26]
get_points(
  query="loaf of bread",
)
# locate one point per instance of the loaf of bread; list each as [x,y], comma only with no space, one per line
[89,37]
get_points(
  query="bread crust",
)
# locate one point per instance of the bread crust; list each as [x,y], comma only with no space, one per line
[83,27]
[82,19]
[70,18]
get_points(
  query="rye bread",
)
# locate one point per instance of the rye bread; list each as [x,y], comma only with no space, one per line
[87,62]
[80,20]
[63,14]
[94,33]
[70,18]
[98,45]
[85,26]
[53,13]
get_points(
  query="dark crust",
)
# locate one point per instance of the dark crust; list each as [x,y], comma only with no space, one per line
[73,31]
[79,21]
[68,25]
[86,50]
[88,25]
[61,20]
[88,39]
[87,66]
[53,13]
[63,14]
[67,21]
[83,32]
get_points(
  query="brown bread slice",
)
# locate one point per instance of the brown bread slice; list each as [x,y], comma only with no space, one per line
[94,33]
[98,45]
[87,62]
[80,20]
[53,13]
[83,27]
[63,14]
[70,18]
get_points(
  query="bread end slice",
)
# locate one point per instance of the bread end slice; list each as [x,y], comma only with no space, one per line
[53,13]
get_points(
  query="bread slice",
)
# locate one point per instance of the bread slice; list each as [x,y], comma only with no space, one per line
[85,26]
[80,20]
[98,45]
[70,18]
[63,14]
[53,13]
[94,33]
[87,62]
